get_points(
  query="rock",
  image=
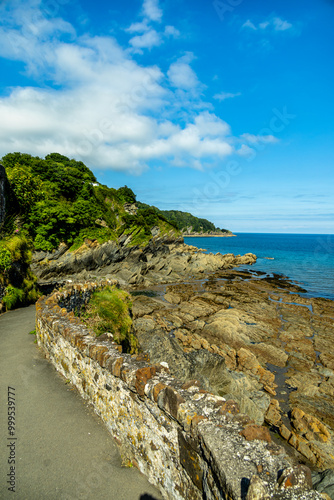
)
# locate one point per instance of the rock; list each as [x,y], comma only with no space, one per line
[226,328]
[229,407]
[309,426]
[271,354]
[143,305]
[252,431]
[298,477]
[273,414]
[324,482]
[257,490]
[173,298]
[284,432]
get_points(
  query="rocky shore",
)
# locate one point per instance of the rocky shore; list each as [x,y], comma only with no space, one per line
[252,338]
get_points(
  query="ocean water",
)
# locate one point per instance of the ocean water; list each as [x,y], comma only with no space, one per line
[307,259]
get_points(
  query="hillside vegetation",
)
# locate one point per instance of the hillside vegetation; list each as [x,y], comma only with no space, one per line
[58,200]
[186,222]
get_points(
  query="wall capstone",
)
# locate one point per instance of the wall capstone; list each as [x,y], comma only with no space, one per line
[184,439]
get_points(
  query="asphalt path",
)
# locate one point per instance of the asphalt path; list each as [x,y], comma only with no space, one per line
[62,450]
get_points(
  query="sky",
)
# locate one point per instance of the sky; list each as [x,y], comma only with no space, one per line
[220,108]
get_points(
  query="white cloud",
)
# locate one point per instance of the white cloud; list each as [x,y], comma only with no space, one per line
[149,37]
[264,25]
[246,152]
[105,108]
[249,24]
[138,27]
[281,25]
[171,31]
[256,139]
[274,23]
[181,75]
[147,40]
[225,95]
[152,10]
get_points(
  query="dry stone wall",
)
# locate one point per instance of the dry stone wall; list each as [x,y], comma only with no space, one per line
[188,442]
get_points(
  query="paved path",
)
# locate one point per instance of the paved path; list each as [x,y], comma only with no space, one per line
[62,451]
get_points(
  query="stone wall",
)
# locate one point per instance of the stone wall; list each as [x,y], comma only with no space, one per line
[188,442]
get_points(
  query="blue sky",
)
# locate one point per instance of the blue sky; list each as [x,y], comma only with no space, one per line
[223,109]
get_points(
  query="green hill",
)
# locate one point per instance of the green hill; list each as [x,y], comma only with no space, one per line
[58,200]
[186,222]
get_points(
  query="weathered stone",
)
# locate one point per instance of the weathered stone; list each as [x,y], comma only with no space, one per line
[190,461]
[257,489]
[169,400]
[296,477]
[229,407]
[251,432]
[284,432]
[309,426]
[116,367]
[273,415]
[324,482]
[156,390]
[227,461]
[142,376]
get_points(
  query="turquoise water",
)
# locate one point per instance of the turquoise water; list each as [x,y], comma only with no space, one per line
[307,259]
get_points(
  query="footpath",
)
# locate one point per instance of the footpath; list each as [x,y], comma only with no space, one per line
[60,449]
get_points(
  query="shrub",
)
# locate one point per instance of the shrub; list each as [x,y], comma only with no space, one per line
[109,311]
[5,259]
[14,297]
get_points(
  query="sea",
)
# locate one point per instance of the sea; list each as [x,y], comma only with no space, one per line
[306,259]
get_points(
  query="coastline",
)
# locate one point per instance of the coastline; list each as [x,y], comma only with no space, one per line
[207,235]
[270,344]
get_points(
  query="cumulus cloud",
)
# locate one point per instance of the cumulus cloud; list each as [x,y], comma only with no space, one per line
[148,37]
[152,10]
[138,27]
[225,95]
[181,75]
[146,41]
[93,101]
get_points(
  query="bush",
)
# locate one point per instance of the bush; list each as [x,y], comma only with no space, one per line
[109,311]
[15,274]
[14,297]
[5,259]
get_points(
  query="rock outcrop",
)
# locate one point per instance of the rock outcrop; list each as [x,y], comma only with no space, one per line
[190,443]
[243,335]
[274,347]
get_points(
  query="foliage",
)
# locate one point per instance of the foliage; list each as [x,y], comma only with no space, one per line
[126,195]
[15,274]
[59,201]
[181,220]
[109,311]
[5,259]
[26,187]
[14,297]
